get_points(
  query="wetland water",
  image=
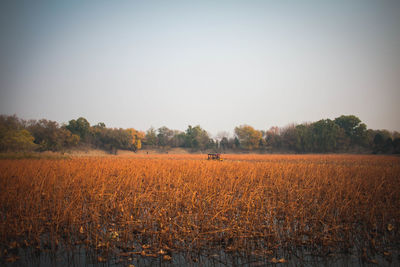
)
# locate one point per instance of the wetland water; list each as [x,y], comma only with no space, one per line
[81,255]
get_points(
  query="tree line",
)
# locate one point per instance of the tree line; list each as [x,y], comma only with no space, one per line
[343,134]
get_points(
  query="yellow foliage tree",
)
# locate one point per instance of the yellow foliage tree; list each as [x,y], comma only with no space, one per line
[17,140]
[249,138]
[137,137]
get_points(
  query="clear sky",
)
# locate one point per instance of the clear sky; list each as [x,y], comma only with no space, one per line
[216,63]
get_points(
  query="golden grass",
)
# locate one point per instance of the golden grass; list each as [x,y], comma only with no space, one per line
[151,204]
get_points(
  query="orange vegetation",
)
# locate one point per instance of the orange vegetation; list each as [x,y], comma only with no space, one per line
[149,204]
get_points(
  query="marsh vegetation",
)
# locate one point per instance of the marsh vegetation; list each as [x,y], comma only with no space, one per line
[271,208]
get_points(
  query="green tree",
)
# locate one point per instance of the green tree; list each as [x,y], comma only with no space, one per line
[325,133]
[98,132]
[273,138]
[381,141]
[224,143]
[289,137]
[178,139]
[234,142]
[396,145]
[81,127]
[49,136]
[388,147]
[69,139]
[196,138]
[150,138]
[164,136]
[304,133]
[112,139]
[100,125]
[354,130]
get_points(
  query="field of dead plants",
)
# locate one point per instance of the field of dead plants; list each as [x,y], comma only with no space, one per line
[144,208]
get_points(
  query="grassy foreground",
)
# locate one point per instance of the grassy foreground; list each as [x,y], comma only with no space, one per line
[156,205]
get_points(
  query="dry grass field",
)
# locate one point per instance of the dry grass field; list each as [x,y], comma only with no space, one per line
[156,206]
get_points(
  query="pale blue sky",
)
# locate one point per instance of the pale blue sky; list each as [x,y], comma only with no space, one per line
[219,64]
